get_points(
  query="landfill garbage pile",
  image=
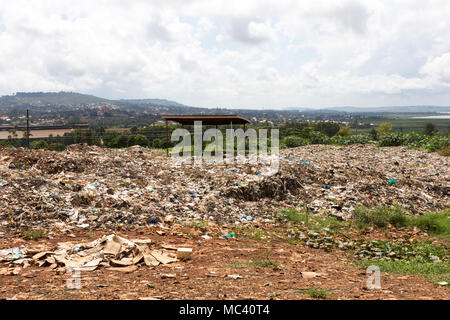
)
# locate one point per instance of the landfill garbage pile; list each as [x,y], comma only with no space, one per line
[97,188]
[111,252]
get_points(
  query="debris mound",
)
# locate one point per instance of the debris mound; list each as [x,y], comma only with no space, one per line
[114,189]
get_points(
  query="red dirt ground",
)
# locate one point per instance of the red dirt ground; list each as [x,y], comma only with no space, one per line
[205,276]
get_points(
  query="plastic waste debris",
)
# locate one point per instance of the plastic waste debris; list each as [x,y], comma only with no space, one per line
[11,254]
[229,235]
[392,182]
[60,189]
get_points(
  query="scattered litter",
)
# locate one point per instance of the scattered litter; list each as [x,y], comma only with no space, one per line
[310,275]
[68,190]
[229,235]
[392,182]
[184,253]
[11,254]
[111,251]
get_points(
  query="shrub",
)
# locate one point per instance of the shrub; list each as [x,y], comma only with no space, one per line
[373,134]
[437,223]
[345,141]
[436,143]
[444,151]
[158,143]
[393,139]
[318,138]
[294,141]
[380,217]
[142,140]
[327,127]
[384,128]
[344,131]
[57,146]
[34,234]
[40,144]
[430,129]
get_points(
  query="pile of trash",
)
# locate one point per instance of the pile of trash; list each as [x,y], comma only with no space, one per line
[111,189]
[110,251]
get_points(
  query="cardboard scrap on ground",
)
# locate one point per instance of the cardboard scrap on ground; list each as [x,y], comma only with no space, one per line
[111,251]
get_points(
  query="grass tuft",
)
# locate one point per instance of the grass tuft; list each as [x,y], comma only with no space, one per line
[314,222]
[380,217]
[317,293]
[34,234]
[436,272]
[437,223]
[444,151]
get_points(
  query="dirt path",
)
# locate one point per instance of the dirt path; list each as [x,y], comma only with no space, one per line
[269,270]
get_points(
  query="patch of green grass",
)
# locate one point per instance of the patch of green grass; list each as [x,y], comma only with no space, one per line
[436,272]
[401,250]
[444,152]
[251,233]
[257,262]
[199,224]
[293,215]
[315,222]
[379,217]
[437,223]
[34,234]
[264,263]
[317,293]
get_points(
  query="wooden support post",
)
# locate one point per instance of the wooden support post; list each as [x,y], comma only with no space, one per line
[167,139]
[28,129]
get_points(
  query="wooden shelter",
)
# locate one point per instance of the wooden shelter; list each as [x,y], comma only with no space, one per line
[209,120]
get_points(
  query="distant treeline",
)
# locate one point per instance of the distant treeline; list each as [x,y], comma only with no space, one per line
[291,134]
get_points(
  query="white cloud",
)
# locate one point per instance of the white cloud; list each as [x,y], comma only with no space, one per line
[438,68]
[230,53]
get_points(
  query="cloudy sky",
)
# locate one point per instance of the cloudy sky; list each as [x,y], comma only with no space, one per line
[254,54]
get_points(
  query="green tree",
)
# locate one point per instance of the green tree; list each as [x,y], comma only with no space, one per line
[430,129]
[12,138]
[57,146]
[40,144]
[373,134]
[141,140]
[384,128]
[327,127]
[157,143]
[344,131]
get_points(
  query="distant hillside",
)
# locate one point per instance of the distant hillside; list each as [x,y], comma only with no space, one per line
[70,101]
[409,109]
[73,99]
[155,102]
[48,99]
